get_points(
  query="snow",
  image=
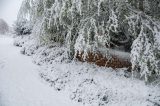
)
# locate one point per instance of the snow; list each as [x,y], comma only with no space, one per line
[20,84]
[85,83]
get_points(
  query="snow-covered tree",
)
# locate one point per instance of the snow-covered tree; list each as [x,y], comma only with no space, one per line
[4,28]
[146,49]
[23,24]
[87,25]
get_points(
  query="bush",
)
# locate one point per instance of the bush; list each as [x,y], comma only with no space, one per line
[22,27]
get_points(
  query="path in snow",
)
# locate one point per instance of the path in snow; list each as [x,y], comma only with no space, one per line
[20,84]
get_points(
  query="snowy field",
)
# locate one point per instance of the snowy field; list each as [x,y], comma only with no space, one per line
[55,80]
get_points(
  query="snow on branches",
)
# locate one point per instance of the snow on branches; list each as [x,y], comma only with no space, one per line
[87,25]
[145,52]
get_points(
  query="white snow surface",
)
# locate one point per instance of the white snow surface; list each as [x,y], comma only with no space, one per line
[20,84]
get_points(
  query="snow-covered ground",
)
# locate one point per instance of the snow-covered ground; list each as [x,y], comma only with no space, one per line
[21,80]
[20,84]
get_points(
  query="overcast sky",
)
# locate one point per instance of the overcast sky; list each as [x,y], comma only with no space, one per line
[9,10]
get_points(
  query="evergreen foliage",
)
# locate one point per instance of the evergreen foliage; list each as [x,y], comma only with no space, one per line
[87,25]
